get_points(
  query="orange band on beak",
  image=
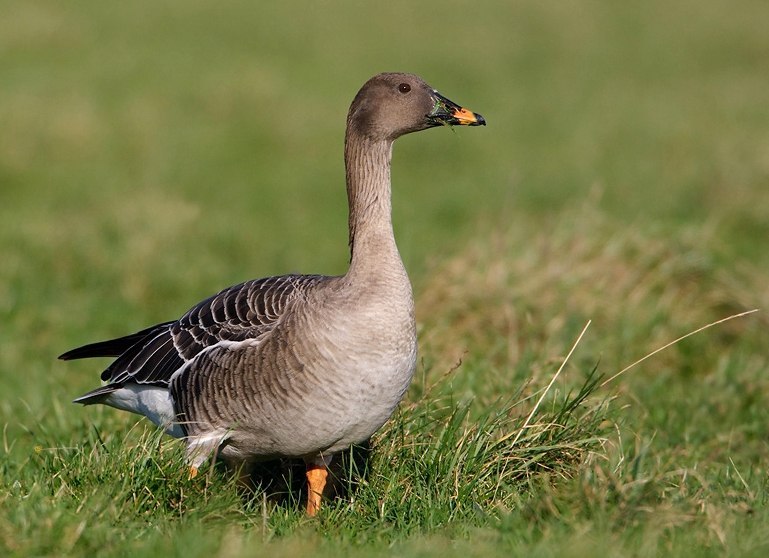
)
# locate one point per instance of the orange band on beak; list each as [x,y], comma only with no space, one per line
[464,116]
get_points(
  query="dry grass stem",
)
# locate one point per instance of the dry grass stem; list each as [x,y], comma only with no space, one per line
[703,328]
[552,381]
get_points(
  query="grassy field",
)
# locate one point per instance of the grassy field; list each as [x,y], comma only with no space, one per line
[154,152]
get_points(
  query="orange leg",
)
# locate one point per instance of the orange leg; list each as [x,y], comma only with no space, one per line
[316,482]
[193,473]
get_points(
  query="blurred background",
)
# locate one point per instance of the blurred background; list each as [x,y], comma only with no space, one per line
[152,153]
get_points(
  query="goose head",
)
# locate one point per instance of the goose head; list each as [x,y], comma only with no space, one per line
[390,105]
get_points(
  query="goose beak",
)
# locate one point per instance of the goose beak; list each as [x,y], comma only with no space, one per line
[448,113]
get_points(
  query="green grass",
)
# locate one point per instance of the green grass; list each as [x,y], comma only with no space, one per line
[152,153]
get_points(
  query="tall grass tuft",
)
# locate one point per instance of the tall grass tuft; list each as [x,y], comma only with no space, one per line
[442,461]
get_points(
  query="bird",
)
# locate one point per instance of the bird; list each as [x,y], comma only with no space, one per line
[293,366]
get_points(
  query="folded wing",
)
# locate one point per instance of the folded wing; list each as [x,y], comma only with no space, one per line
[243,312]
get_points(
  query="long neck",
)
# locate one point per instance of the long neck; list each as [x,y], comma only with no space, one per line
[368,192]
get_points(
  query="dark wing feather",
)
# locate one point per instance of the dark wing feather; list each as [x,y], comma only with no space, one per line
[237,313]
[112,347]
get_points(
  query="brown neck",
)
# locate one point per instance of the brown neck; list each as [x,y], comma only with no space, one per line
[367,163]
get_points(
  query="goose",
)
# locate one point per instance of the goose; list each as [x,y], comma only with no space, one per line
[296,366]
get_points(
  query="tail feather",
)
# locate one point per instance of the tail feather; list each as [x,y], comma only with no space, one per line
[111,347]
[97,395]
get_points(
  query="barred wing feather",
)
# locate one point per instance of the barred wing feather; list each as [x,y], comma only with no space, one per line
[238,313]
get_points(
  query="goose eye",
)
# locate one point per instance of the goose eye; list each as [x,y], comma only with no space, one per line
[404,88]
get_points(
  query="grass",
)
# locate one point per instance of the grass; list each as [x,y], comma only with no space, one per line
[151,154]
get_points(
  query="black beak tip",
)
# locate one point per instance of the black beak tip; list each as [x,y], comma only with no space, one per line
[479,120]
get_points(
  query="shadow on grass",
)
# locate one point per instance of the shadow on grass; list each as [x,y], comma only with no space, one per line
[282,481]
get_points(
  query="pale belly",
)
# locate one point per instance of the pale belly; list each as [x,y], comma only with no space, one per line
[327,419]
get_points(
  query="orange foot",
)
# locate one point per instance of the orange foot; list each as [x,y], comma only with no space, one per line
[316,482]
